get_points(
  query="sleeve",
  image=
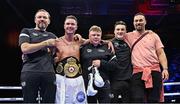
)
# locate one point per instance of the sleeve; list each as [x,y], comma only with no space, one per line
[127,37]
[24,36]
[111,62]
[158,42]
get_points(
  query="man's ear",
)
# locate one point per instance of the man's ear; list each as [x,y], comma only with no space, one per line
[76,27]
[49,21]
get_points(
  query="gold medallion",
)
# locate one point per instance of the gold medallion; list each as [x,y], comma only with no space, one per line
[71,68]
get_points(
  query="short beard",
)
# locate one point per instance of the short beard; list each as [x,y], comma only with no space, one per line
[42,26]
[139,29]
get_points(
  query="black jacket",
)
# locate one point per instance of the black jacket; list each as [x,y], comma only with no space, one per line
[124,67]
[90,52]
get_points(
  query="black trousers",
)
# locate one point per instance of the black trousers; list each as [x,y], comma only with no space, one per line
[121,88]
[32,82]
[142,94]
[103,95]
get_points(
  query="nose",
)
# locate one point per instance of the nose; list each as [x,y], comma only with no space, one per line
[41,20]
[96,36]
[138,23]
[121,32]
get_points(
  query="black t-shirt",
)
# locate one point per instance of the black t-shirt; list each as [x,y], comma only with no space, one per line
[41,60]
[123,55]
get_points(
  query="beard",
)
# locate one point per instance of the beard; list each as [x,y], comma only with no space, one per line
[42,26]
[139,28]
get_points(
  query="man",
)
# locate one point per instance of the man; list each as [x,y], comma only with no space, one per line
[38,72]
[69,80]
[147,54]
[120,77]
[96,54]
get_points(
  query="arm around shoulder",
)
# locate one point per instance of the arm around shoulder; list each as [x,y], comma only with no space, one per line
[27,48]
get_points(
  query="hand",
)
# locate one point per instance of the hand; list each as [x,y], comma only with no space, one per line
[165,75]
[110,46]
[96,63]
[56,59]
[77,37]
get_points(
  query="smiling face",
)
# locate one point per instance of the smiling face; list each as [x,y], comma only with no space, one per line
[70,26]
[95,34]
[95,37]
[139,23]
[119,31]
[42,20]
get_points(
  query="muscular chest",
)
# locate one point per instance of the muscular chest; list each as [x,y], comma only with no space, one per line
[68,49]
[74,48]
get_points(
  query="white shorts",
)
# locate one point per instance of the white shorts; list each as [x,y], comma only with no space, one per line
[70,90]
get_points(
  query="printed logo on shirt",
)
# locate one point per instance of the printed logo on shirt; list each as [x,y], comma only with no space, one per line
[89,50]
[125,45]
[101,50]
[120,45]
[44,34]
[34,34]
[116,44]
[80,96]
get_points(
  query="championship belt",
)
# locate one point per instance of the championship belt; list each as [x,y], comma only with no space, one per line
[69,67]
